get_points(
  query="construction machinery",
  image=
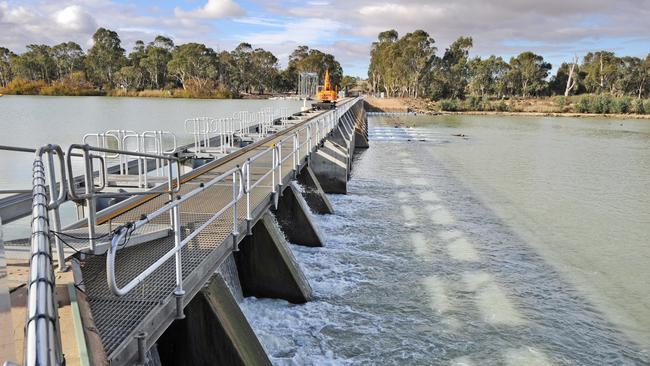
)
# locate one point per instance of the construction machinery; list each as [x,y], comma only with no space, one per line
[326,95]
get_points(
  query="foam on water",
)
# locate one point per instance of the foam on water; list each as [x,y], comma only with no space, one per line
[462,250]
[456,287]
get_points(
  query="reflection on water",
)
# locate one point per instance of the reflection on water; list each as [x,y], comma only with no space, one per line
[420,268]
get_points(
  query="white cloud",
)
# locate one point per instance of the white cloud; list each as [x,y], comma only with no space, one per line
[214,9]
[75,19]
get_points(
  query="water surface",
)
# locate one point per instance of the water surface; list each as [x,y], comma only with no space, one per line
[525,243]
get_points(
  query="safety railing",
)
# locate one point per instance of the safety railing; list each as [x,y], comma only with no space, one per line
[42,332]
[90,193]
[152,142]
[54,188]
[242,186]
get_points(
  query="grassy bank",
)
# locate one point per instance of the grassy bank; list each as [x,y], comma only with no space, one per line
[576,106]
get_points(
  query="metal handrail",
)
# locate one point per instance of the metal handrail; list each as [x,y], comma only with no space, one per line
[42,332]
[91,194]
[241,184]
[119,238]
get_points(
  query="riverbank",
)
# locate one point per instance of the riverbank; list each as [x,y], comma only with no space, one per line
[543,107]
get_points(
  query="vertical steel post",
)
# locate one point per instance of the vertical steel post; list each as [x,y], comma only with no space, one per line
[55,218]
[90,199]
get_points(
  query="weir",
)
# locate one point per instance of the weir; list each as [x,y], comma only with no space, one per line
[166,265]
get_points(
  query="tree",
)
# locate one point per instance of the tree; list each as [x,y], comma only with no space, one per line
[304,59]
[264,69]
[600,68]
[242,63]
[528,73]
[158,55]
[451,72]
[68,58]
[193,64]
[487,77]
[6,75]
[129,77]
[105,57]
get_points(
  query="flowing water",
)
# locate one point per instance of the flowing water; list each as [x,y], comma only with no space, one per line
[523,243]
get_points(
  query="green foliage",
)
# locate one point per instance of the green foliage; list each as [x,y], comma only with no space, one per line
[639,107]
[583,104]
[105,57]
[560,102]
[501,106]
[450,105]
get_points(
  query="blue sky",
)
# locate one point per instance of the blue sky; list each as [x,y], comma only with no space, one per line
[557,29]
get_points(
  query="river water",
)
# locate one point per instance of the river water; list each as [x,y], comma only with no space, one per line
[526,242]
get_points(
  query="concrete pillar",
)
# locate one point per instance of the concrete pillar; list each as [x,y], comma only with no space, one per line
[214,332]
[294,218]
[361,131]
[266,266]
[313,192]
[330,165]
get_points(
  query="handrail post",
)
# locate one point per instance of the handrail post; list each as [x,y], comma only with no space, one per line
[235,227]
[179,293]
[54,210]
[90,200]
[249,228]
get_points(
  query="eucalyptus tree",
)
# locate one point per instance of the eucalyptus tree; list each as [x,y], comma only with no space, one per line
[105,57]
[194,65]
[451,72]
[264,69]
[312,60]
[601,68]
[487,76]
[528,72]
[6,74]
[68,58]
[156,57]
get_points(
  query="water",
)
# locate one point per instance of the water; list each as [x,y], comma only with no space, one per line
[525,243]
[32,121]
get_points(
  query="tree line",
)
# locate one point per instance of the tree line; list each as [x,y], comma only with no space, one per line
[410,66]
[190,69]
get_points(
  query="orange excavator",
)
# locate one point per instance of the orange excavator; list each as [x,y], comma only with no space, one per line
[326,95]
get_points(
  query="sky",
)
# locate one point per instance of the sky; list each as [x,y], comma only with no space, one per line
[556,29]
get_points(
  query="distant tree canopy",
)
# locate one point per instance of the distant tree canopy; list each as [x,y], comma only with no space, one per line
[161,64]
[409,66]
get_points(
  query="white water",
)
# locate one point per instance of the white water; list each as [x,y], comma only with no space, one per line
[417,269]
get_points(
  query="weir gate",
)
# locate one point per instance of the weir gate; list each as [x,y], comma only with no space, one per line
[152,269]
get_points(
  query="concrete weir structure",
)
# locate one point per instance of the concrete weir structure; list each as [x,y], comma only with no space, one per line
[173,298]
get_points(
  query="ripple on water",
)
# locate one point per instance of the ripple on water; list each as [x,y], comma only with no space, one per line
[457,287]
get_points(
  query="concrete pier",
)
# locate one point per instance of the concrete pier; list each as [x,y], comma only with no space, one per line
[313,192]
[294,218]
[266,266]
[214,332]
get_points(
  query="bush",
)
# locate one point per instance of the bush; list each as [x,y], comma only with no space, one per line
[560,102]
[449,105]
[20,86]
[473,103]
[621,105]
[637,106]
[501,106]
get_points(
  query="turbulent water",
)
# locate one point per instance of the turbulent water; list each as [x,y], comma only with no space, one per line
[420,268]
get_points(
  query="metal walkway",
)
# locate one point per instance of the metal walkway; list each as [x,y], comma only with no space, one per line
[241,196]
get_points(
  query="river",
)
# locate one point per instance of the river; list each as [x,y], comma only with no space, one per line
[526,242]
[523,243]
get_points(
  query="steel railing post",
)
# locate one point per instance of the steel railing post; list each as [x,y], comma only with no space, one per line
[90,199]
[55,218]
